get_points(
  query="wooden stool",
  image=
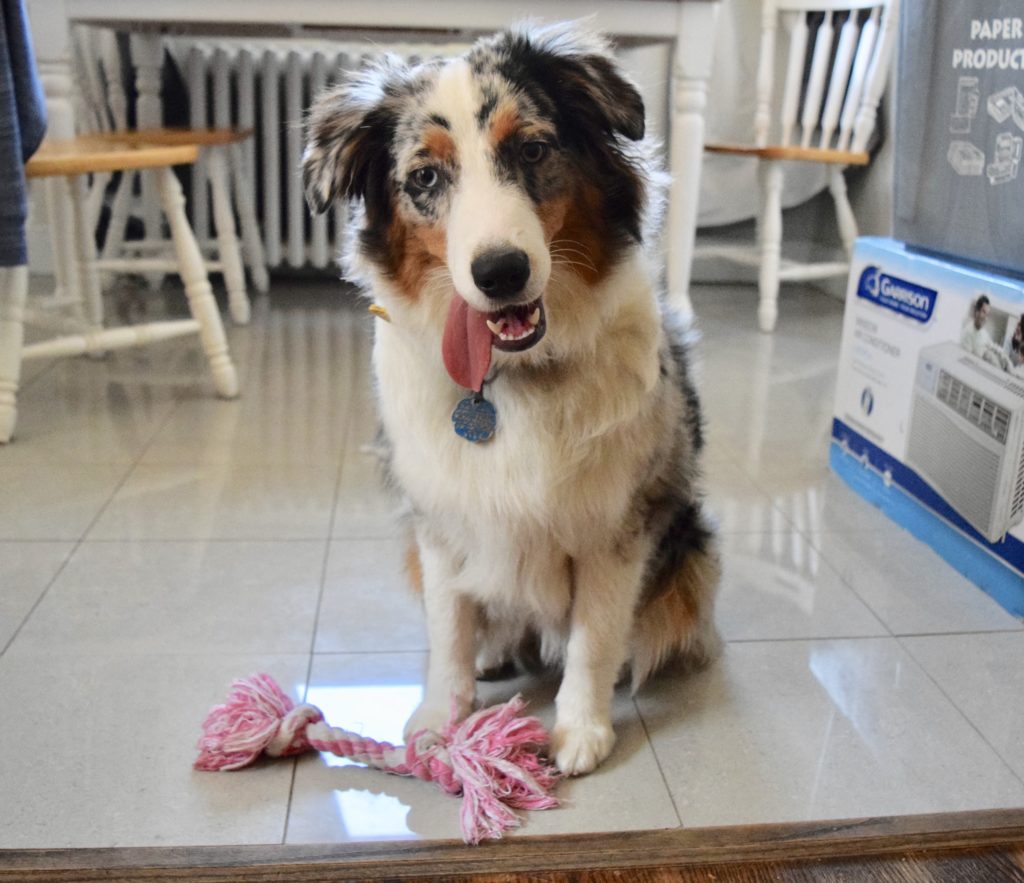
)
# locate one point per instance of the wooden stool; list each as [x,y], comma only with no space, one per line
[94,155]
[222,156]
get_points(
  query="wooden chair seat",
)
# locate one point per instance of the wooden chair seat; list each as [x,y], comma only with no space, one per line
[794,152]
[91,154]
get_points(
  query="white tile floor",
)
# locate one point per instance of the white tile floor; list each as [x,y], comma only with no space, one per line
[155,543]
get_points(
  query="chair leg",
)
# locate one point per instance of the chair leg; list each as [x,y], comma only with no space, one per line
[197,286]
[252,241]
[227,238]
[13,290]
[844,213]
[771,244]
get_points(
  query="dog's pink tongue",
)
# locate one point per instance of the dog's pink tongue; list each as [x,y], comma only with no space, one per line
[466,345]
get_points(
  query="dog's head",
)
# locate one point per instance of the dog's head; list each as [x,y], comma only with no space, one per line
[481,178]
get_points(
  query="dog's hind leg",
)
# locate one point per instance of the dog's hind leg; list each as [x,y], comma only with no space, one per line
[497,645]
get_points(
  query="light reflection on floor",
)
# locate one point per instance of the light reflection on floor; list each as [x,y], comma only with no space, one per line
[380,710]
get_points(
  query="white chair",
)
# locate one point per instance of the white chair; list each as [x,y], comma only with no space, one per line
[835,69]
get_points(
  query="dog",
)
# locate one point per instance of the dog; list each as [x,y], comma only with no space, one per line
[537,406]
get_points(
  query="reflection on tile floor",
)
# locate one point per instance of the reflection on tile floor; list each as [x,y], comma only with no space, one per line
[156,542]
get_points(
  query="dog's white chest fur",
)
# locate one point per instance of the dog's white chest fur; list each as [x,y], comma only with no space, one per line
[560,470]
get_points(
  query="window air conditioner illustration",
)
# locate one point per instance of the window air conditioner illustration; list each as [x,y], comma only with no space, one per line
[966,437]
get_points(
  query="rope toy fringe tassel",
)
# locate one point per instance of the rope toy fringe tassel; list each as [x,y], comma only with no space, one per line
[492,758]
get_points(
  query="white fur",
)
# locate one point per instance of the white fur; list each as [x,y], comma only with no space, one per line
[485,214]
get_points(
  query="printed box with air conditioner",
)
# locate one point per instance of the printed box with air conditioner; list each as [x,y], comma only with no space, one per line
[929,414]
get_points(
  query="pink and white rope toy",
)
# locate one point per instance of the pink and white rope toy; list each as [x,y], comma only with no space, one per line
[491,758]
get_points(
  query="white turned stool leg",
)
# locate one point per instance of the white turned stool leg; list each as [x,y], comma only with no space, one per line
[771,243]
[63,241]
[227,238]
[118,216]
[13,289]
[85,261]
[844,213]
[197,286]
[252,241]
[85,256]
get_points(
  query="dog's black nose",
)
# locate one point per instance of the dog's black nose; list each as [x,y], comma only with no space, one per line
[502,273]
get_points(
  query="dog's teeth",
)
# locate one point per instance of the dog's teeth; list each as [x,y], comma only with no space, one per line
[535,316]
[495,327]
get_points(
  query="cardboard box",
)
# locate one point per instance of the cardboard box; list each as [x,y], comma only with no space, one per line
[929,414]
[959,181]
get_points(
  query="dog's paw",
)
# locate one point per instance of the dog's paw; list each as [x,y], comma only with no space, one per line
[429,716]
[579,747]
[435,715]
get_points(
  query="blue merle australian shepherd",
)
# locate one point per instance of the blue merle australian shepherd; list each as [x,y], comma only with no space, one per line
[538,411]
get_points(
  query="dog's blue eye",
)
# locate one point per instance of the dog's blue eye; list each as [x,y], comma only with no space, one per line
[426,178]
[533,151]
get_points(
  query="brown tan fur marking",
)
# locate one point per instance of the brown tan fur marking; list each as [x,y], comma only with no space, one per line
[439,144]
[415,251]
[505,121]
[580,228]
[413,567]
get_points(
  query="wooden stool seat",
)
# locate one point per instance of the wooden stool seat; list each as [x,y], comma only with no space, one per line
[166,136]
[90,154]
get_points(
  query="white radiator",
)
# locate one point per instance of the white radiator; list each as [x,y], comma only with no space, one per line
[267,85]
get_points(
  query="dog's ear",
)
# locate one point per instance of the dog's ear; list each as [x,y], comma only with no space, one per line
[577,70]
[348,135]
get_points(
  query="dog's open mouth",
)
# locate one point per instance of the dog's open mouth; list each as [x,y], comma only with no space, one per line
[517,328]
[470,335]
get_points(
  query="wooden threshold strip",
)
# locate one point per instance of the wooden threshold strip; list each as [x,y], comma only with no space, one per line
[1000,832]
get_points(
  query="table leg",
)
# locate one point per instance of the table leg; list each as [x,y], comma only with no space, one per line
[147,56]
[691,69]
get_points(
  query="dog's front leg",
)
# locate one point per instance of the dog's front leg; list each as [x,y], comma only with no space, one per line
[451,631]
[607,585]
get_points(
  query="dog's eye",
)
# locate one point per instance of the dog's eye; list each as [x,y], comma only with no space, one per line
[426,178]
[533,151]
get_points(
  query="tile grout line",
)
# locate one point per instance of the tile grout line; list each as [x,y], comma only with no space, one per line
[352,340]
[853,589]
[960,711]
[22,387]
[77,544]
[657,761]
[896,633]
